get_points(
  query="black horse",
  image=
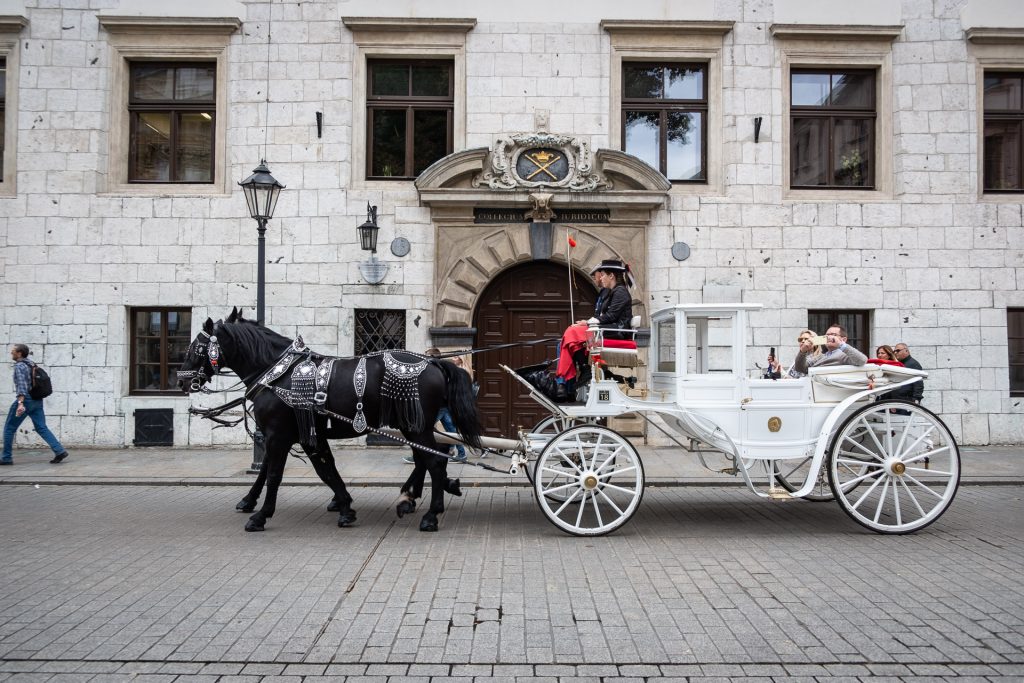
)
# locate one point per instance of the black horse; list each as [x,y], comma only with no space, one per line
[251,351]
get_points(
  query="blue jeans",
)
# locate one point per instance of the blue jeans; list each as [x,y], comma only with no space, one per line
[34,410]
[445,418]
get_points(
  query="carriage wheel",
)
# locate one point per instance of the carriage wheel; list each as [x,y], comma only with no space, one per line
[894,473]
[792,475]
[551,425]
[573,480]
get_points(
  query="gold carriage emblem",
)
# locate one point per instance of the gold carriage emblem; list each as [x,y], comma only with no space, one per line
[774,424]
[543,160]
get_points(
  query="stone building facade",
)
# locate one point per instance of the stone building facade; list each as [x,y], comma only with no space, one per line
[925,252]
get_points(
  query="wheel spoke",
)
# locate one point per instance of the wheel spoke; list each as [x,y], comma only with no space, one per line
[930,471]
[623,470]
[597,449]
[874,437]
[881,500]
[610,460]
[597,508]
[913,498]
[896,502]
[874,456]
[556,489]
[919,440]
[849,485]
[798,466]
[925,454]
[609,501]
[922,485]
[866,493]
[906,430]
[579,513]
[566,458]
[615,487]
[567,501]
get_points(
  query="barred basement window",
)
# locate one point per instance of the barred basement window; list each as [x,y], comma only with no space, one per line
[159,340]
[379,330]
[855,323]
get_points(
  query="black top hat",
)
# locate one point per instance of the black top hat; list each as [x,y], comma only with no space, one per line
[610,265]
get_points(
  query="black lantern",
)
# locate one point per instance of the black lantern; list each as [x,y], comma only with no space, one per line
[368,230]
[261,192]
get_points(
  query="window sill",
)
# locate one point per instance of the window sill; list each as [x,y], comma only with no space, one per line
[833,195]
[1002,198]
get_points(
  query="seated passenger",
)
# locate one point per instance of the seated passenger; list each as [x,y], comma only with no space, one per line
[837,352]
[806,346]
[614,311]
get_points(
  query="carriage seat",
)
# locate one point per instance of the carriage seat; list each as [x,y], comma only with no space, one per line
[620,353]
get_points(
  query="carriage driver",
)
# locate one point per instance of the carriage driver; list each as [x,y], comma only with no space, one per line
[614,311]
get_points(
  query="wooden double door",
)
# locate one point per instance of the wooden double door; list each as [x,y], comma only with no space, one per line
[526,303]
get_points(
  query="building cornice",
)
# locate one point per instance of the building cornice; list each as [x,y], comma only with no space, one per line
[151,24]
[988,35]
[716,28]
[402,24]
[12,23]
[835,32]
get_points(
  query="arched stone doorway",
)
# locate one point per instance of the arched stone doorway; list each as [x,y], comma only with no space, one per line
[524,303]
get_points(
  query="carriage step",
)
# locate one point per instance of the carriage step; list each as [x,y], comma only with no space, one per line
[780,495]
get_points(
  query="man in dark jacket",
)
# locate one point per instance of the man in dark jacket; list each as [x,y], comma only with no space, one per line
[25,406]
[913,392]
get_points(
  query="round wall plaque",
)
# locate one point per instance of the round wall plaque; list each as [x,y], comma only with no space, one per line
[400,246]
[680,251]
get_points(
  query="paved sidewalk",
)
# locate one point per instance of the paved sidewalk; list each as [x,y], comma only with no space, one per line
[360,466]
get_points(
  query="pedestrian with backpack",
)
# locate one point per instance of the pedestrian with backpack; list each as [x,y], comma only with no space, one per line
[32,385]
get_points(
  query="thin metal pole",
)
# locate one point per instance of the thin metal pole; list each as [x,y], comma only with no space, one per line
[261,270]
[258,446]
[568,259]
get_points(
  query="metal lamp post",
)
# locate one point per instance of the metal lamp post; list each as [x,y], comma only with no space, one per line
[261,192]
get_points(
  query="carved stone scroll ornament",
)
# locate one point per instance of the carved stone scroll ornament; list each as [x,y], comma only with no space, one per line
[542,211]
[549,160]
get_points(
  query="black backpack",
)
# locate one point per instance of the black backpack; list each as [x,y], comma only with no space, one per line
[41,385]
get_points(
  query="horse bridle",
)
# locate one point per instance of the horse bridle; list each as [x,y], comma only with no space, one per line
[203,345]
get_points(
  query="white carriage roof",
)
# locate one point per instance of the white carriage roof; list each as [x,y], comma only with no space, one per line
[708,308]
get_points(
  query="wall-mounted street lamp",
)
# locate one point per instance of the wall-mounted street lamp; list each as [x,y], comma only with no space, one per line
[373,271]
[261,193]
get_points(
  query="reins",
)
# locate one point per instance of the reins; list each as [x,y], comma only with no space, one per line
[470,352]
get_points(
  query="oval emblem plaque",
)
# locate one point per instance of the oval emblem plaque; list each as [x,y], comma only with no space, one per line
[542,165]
[774,424]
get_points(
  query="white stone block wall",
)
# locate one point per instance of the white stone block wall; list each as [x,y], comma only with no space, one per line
[937,265]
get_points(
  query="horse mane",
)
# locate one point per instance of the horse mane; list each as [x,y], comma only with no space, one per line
[255,338]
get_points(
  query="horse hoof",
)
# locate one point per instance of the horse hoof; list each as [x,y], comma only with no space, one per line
[428,526]
[347,518]
[245,506]
[253,526]
[405,507]
[453,488]
[333,506]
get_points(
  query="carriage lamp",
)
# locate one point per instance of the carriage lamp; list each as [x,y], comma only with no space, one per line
[373,271]
[261,192]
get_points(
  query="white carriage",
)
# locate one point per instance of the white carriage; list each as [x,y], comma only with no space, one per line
[892,466]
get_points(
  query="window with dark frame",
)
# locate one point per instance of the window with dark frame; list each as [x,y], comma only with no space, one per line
[172,117]
[379,330]
[409,116]
[159,340]
[854,322]
[832,131]
[664,118]
[1004,132]
[1015,344]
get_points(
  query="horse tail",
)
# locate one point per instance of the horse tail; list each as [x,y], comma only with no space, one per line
[462,403]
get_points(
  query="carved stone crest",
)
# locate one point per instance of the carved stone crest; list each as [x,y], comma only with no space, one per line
[531,160]
[542,211]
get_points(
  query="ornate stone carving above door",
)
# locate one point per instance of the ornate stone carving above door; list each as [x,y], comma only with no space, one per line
[516,173]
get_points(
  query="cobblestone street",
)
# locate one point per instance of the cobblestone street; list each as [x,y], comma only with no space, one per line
[146,583]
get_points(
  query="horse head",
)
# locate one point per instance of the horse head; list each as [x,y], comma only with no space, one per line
[202,359]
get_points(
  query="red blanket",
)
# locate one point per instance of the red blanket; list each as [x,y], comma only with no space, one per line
[573,339]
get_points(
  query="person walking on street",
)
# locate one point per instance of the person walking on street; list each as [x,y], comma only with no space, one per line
[913,392]
[25,406]
[444,416]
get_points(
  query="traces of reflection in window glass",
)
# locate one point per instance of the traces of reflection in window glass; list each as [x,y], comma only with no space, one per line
[684,146]
[1002,155]
[388,142]
[682,83]
[195,148]
[810,89]
[810,152]
[642,82]
[430,137]
[852,152]
[643,133]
